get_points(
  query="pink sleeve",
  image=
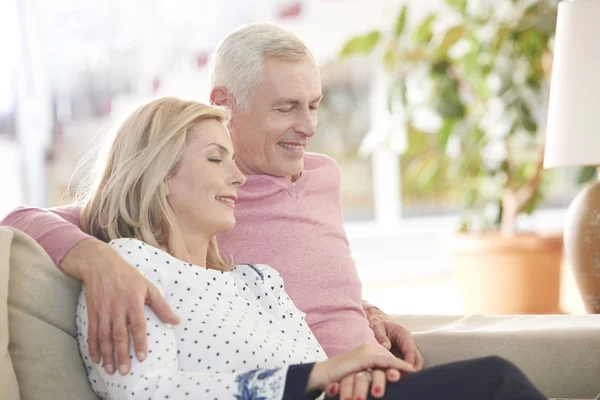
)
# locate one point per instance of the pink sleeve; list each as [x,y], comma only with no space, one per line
[57,230]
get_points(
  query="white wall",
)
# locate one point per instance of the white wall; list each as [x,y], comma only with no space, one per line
[325,27]
[11,187]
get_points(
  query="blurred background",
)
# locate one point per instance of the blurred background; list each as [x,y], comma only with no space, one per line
[69,69]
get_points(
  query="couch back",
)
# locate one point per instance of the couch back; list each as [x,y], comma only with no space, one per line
[39,350]
[8,380]
[39,354]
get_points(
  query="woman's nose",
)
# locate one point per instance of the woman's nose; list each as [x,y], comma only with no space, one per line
[238,178]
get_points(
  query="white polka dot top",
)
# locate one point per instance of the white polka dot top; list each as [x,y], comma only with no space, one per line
[238,336]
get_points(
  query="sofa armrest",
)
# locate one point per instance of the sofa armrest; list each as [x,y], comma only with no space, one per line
[559,353]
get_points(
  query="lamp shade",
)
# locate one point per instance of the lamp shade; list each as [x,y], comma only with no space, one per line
[573,129]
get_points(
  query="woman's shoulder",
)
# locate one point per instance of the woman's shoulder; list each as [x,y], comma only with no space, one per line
[262,272]
[142,255]
[259,269]
[129,243]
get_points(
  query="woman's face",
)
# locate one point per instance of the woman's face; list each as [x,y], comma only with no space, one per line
[202,189]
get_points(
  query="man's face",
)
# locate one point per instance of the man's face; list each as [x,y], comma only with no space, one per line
[271,135]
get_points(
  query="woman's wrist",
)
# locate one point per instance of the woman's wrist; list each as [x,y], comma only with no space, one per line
[317,380]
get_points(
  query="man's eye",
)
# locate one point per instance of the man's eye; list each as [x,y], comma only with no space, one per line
[284,110]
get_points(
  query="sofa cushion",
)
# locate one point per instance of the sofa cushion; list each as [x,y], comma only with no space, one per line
[8,379]
[559,353]
[41,312]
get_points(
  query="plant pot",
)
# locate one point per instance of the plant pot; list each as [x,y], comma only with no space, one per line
[508,275]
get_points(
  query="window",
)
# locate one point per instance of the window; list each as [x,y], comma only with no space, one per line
[343,121]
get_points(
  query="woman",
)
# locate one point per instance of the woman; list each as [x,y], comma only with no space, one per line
[168,188]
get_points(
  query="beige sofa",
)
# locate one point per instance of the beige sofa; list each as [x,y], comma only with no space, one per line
[39,357]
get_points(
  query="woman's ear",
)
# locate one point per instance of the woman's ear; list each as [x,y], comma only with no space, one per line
[167,186]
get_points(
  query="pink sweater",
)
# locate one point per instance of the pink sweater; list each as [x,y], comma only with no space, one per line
[296,228]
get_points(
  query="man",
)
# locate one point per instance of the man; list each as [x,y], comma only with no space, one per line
[288,213]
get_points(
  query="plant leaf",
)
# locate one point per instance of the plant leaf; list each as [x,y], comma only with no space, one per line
[416,55]
[452,36]
[501,36]
[468,197]
[397,93]
[447,101]
[401,21]
[586,174]
[532,43]
[464,225]
[430,174]
[440,67]
[534,203]
[418,142]
[445,131]
[530,125]
[389,59]
[460,5]
[362,44]
[422,33]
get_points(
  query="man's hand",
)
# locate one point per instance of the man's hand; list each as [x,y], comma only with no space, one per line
[362,358]
[116,294]
[394,337]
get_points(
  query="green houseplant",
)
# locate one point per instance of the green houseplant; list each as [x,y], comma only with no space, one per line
[467,88]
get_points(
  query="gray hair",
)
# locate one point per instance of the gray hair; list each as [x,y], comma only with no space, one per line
[237,63]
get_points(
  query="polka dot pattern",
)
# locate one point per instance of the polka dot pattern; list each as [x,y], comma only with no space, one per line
[238,334]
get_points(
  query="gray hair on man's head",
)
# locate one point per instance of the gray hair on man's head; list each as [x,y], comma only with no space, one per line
[237,63]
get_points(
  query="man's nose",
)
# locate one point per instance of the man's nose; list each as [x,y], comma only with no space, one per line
[307,123]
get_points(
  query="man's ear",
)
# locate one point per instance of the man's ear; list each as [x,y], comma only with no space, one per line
[220,96]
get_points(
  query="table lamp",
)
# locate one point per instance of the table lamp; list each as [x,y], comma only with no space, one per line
[573,135]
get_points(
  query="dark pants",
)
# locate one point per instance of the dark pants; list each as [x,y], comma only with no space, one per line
[488,378]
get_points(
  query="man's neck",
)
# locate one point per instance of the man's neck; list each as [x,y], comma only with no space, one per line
[295,177]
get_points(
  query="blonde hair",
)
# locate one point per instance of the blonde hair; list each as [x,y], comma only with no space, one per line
[237,63]
[129,199]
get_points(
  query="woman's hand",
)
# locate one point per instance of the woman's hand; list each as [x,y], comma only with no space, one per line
[363,358]
[356,385]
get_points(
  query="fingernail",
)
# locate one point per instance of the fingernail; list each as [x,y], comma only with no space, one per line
[123,369]
[169,326]
[359,398]
[377,390]
[141,356]
[332,389]
[109,368]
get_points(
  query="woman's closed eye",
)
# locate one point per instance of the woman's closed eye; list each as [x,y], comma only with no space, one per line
[215,160]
